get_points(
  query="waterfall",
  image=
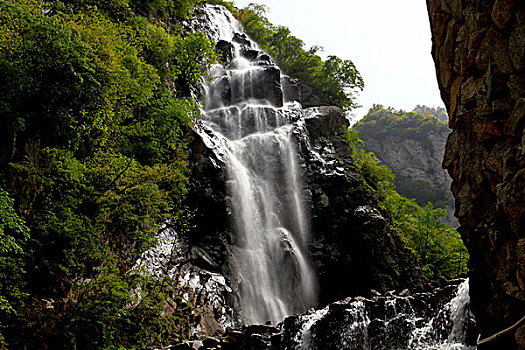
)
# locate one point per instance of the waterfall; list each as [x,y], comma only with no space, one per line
[253,133]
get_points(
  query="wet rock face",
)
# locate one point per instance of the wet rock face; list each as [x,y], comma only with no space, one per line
[212,236]
[479,51]
[351,238]
[352,247]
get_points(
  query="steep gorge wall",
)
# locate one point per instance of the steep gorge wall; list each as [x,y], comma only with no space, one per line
[479,51]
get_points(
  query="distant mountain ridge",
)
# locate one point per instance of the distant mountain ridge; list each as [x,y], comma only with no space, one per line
[412,144]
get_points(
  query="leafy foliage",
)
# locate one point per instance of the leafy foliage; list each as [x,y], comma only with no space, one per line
[94,101]
[334,80]
[380,121]
[13,234]
[438,246]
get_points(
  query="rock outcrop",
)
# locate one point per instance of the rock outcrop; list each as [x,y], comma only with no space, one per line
[479,52]
[350,235]
[353,248]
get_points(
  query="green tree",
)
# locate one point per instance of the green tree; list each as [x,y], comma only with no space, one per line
[255,23]
[192,54]
[341,80]
[93,154]
[335,81]
[13,234]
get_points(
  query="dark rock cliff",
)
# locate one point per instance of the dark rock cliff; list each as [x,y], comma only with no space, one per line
[351,237]
[352,246]
[479,51]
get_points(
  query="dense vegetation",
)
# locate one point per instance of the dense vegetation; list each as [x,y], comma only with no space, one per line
[437,245]
[334,81]
[383,121]
[94,103]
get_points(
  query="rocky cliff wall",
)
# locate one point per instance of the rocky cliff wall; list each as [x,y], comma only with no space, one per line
[351,246]
[479,52]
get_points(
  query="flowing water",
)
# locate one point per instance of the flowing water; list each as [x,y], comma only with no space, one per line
[388,323]
[270,265]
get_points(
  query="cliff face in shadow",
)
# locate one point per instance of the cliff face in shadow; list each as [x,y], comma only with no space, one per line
[479,51]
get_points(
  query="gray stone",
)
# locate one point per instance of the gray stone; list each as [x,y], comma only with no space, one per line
[516,122]
[196,345]
[291,89]
[241,39]
[263,85]
[325,121]
[517,41]
[249,54]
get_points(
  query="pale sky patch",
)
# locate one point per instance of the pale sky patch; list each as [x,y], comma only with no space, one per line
[389,42]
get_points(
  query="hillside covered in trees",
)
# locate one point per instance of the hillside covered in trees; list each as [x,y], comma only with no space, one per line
[424,229]
[95,102]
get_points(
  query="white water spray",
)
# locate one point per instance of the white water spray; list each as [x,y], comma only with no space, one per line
[270,265]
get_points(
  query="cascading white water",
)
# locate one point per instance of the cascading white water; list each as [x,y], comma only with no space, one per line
[387,323]
[270,266]
[455,313]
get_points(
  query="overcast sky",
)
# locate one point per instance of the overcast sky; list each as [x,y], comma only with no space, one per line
[388,41]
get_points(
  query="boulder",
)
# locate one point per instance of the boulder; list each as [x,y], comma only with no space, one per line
[290,88]
[261,84]
[325,121]
[242,39]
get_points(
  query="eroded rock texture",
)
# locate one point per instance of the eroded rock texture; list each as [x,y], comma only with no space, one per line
[479,51]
